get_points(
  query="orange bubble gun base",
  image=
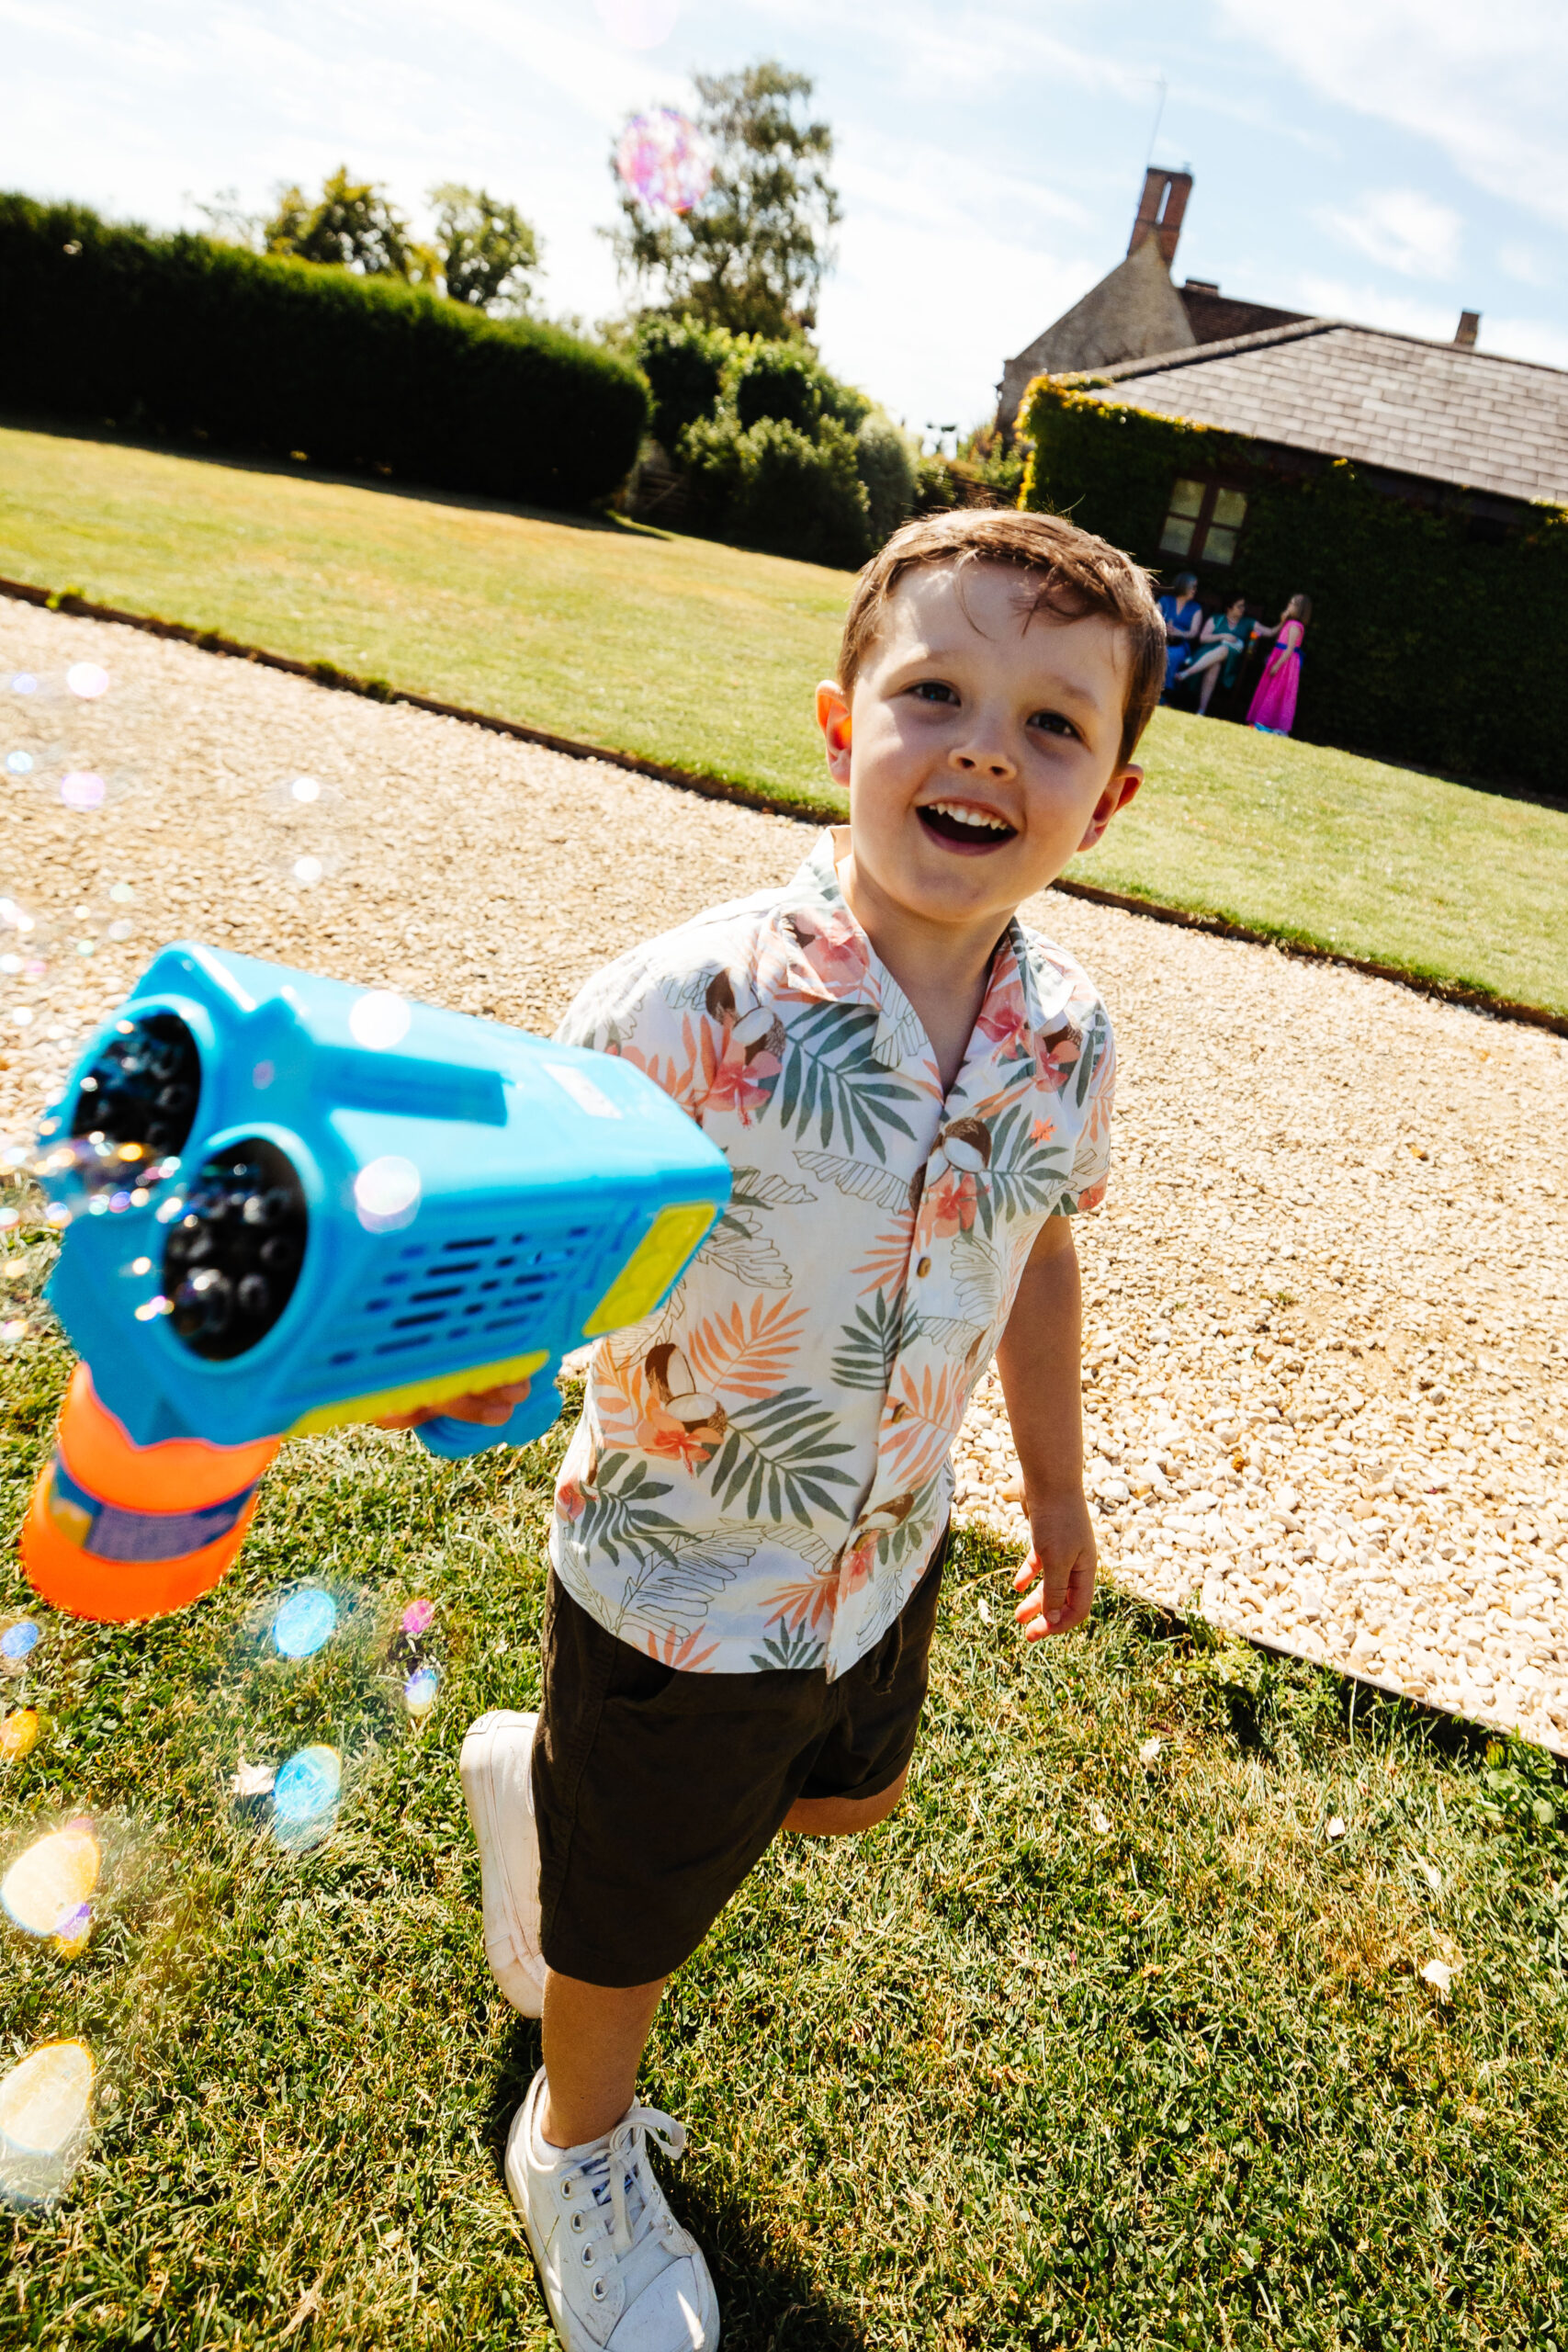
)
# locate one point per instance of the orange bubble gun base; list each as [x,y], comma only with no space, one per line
[117,1531]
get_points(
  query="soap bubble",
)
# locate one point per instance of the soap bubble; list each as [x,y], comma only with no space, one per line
[386,1194]
[87,681]
[419,1691]
[379,1020]
[24,682]
[18,1640]
[305,1798]
[47,1890]
[415,1619]
[18,1734]
[665,161]
[19,762]
[45,2121]
[307,870]
[305,1622]
[304,789]
[83,789]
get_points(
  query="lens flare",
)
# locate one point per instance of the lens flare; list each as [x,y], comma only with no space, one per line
[45,2118]
[87,681]
[386,1193]
[305,1797]
[46,1890]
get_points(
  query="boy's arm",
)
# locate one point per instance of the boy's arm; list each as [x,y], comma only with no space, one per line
[1038,1360]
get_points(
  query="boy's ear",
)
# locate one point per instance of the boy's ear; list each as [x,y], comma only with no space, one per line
[1123,788]
[833,717]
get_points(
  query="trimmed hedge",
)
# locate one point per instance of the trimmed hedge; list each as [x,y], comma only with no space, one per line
[181,335]
[1429,645]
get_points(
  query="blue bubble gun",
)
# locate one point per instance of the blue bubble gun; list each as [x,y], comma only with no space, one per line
[290,1204]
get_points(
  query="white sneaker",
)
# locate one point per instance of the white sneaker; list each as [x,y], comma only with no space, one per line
[499,1789]
[619,2272]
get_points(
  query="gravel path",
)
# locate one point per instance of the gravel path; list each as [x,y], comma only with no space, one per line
[1327,1379]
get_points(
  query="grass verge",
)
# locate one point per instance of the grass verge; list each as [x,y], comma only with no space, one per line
[704,657]
[1080,2048]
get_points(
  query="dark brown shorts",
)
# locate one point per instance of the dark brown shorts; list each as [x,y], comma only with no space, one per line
[656,1791]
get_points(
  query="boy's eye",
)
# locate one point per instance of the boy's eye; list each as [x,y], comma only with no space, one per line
[934,690]
[1052,722]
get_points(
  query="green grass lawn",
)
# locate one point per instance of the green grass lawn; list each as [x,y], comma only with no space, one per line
[1078,2049]
[705,656]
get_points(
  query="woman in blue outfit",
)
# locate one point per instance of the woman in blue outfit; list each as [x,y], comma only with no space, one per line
[1183,618]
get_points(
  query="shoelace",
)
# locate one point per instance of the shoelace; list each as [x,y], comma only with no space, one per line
[613,2175]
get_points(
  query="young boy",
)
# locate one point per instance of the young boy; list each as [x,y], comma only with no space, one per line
[914,1094]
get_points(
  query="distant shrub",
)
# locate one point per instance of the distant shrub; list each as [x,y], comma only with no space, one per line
[684,364]
[774,487]
[885,463]
[178,335]
[778,381]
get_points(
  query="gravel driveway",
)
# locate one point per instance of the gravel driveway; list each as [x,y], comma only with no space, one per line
[1327,1381]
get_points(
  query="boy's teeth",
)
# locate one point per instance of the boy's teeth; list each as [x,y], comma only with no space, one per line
[971,817]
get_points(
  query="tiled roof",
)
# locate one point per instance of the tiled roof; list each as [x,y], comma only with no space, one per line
[1430,409]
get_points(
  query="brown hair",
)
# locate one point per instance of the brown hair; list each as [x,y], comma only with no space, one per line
[1075,575]
[1302,608]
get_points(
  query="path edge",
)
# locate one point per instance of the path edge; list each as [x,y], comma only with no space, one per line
[716,787]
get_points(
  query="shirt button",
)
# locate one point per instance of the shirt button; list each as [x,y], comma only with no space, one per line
[923,1268]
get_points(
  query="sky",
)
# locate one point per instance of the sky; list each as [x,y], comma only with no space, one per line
[1389,161]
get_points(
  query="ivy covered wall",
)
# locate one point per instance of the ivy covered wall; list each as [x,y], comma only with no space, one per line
[1428,644]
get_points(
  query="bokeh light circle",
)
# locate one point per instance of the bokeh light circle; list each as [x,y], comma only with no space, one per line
[87,681]
[83,789]
[379,1020]
[386,1194]
[305,1623]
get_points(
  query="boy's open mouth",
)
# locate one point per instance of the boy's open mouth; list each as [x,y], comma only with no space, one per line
[962,826]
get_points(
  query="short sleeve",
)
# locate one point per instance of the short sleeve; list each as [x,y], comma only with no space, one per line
[1085,1185]
[627,1010]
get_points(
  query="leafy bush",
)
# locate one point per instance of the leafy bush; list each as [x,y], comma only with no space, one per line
[1417,652]
[779,380]
[885,464]
[773,487]
[684,364]
[182,335]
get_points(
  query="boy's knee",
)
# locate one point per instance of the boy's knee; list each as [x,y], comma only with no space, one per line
[843,1816]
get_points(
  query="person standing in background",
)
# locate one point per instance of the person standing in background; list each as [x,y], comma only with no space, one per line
[1273,708]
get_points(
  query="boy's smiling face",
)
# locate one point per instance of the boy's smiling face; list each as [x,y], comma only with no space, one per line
[981,746]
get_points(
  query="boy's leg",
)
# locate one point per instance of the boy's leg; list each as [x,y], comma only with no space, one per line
[593,2038]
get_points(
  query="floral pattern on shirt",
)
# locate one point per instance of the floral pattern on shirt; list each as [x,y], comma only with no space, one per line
[762,1468]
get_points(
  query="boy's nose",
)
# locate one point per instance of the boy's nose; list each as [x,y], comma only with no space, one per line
[977,761]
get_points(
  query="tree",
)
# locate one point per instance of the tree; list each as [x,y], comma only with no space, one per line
[353,224]
[752,255]
[488,252]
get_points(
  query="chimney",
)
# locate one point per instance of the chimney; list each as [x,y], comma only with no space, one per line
[1160,209]
[1469,328]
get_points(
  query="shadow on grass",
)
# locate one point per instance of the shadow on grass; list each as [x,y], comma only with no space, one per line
[766,2305]
[254,461]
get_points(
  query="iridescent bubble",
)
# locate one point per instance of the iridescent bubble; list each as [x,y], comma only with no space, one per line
[85,679]
[307,870]
[18,1734]
[379,1020]
[305,1623]
[665,161]
[419,1691]
[17,1643]
[45,2118]
[121,893]
[417,1616]
[19,762]
[51,1880]
[305,1796]
[386,1193]
[24,682]
[305,788]
[83,789]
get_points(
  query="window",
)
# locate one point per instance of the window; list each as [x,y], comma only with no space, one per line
[1205,521]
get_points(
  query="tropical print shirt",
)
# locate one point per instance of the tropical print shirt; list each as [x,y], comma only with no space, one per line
[762,1468]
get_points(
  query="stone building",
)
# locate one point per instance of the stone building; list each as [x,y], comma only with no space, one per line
[1137,312]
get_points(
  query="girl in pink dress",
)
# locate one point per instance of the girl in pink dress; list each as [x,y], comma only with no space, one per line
[1274,704]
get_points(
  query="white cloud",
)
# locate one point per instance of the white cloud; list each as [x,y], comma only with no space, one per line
[1401,229]
[1484,85]
[1526,266]
[1371,305]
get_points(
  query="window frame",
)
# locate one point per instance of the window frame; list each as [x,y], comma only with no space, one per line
[1197,550]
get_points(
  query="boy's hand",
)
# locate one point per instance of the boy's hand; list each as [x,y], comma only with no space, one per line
[492,1406]
[1060,1565]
